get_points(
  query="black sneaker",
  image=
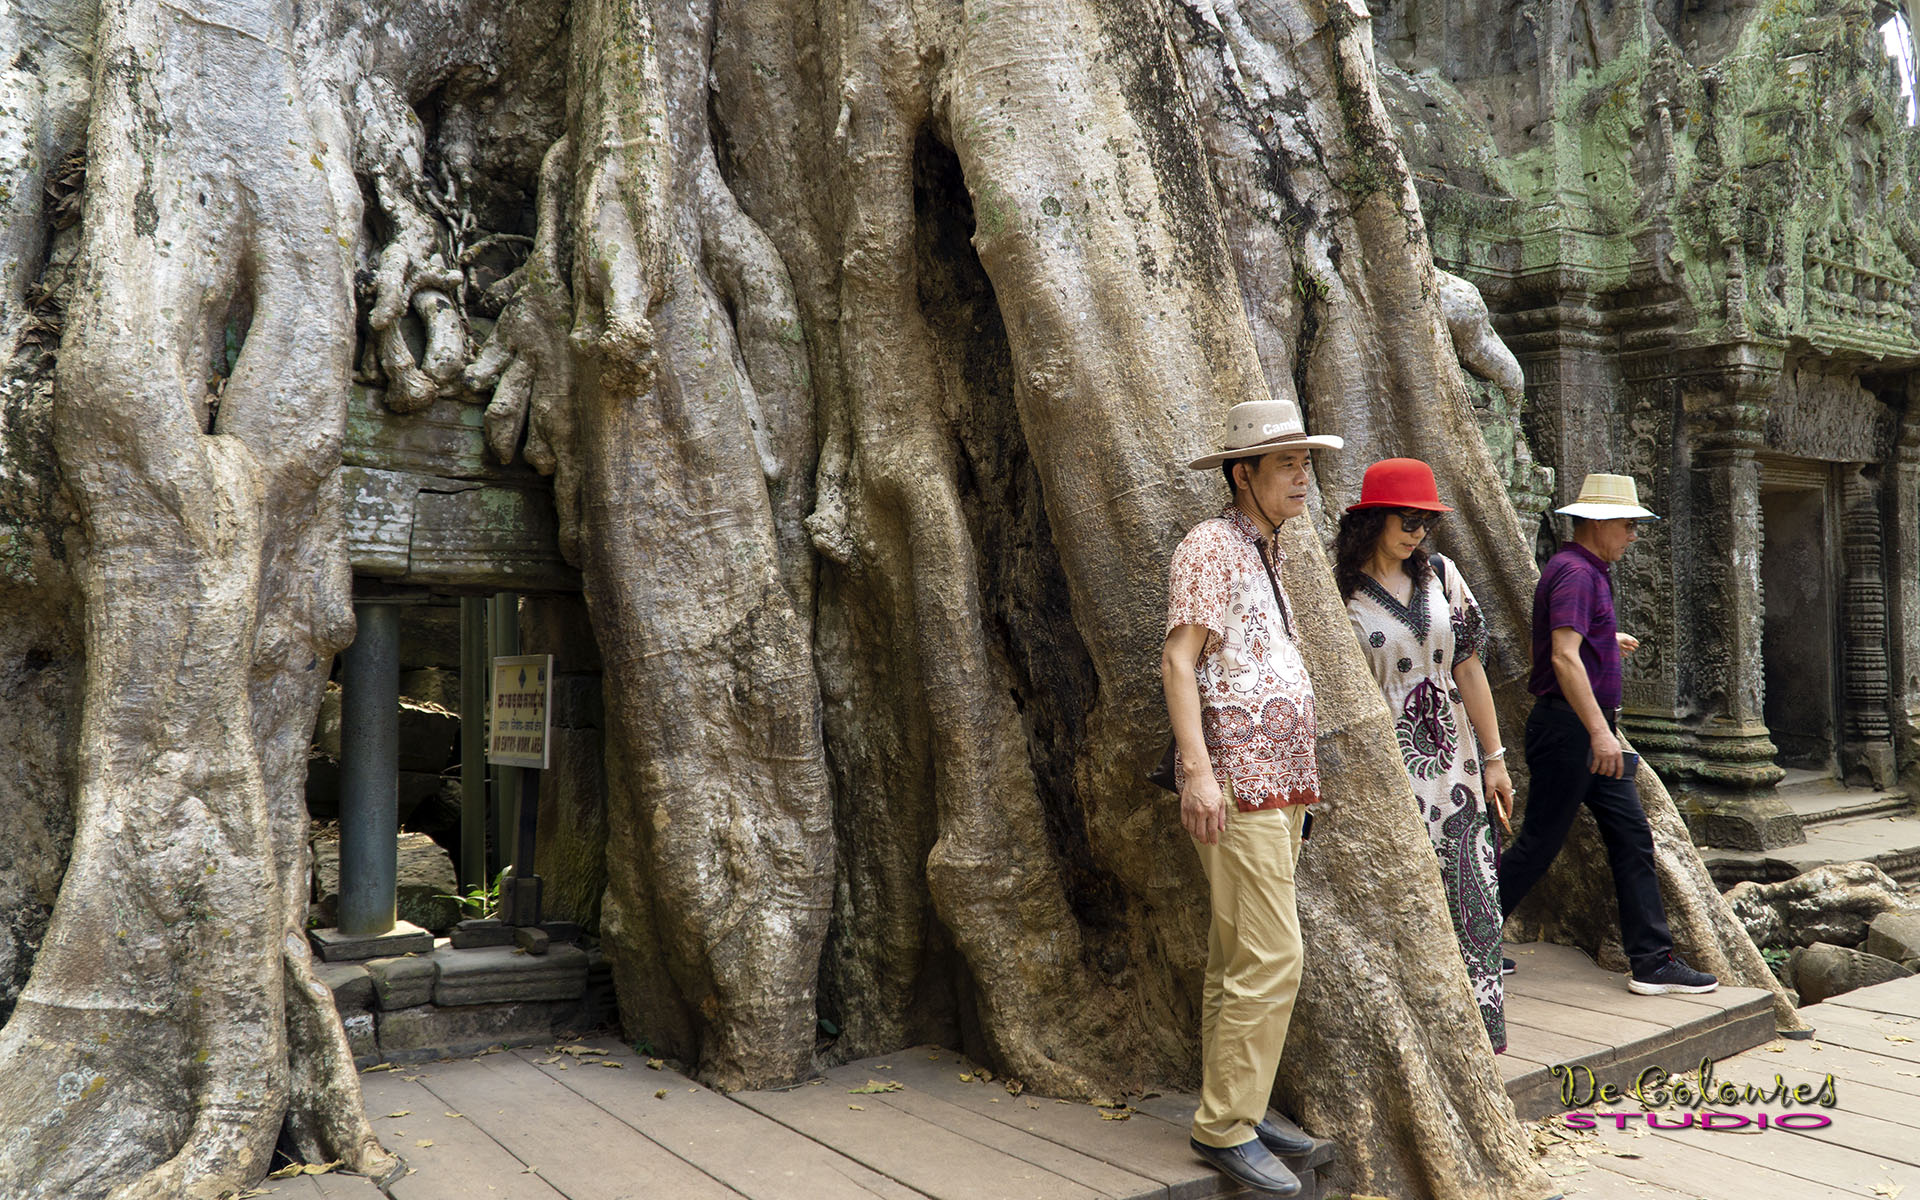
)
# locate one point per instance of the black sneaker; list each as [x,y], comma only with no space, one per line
[1251,1165]
[1671,976]
[1506,966]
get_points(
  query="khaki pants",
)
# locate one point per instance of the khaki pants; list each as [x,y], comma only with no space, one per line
[1253,970]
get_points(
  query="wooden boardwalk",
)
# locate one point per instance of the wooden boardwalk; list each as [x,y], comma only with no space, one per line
[593,1121]
[1868,1040]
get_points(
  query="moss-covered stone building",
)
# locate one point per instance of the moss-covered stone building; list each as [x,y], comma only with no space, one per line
[1694,223]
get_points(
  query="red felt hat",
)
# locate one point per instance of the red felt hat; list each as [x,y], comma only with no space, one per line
[1399,483]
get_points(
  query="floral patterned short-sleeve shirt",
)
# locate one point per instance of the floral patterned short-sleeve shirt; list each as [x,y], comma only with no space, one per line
[1256,702]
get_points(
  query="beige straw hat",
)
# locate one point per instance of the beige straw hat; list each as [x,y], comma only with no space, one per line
[1256,427]
[1607,497]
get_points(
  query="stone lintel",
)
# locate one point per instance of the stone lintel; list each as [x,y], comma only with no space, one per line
[404,938]
[499,974]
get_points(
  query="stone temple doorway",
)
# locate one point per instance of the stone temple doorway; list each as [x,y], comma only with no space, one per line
[1800,575]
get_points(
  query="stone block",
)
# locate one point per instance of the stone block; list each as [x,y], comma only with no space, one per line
[419,1034]
[416,788]
[378,507]
[350,984]
[478,932]
[361,1038]
[402,982]
[427,736]
[333,946]
[424,878]
[498,537]
[1894,935]
[532,939]
[445,439]
[430,639]
[498,974]
[432,685]
[1822,971]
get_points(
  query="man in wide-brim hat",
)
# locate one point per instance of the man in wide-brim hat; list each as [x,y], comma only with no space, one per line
[1242,710]
[1573,748]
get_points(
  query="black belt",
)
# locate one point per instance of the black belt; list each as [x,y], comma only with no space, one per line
[1611,714]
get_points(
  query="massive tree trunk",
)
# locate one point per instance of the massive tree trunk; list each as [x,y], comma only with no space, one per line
[865,343]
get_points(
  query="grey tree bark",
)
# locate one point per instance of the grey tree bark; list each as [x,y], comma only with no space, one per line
[864,343]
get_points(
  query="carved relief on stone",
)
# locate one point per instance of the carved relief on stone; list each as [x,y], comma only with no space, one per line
[1867,669]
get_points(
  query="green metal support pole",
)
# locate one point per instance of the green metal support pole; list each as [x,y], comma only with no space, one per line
[503,636]
[474,671]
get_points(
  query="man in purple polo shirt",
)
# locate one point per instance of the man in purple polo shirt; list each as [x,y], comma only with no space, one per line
[1573,750]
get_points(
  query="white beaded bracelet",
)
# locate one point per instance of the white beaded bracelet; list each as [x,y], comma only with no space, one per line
[1496,756]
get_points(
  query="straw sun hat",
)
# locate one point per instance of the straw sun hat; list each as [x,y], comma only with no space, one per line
[1257,427]
[1606,498]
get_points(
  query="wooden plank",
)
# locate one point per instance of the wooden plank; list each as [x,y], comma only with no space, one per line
[462,1163]
[346,1187]
[1099,1176]
[911,1149]
[583,1151]
[1152,1152]
[1155,1151]
[1684,1161]
[1863,1083]
[1869,1041]
[754,1156]
[1900,997]
[1512,1066]
[1540,1034]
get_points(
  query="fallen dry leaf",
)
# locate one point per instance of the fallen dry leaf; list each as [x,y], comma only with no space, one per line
[856,1108]
[965,1078]
[1015,1087]
[875,1086]
[576,1051]
[1888,1189]
[1897,1038]
[456,1116]
[398,1113]
[423,1143]
[610,1063]
[377,1067]
[661,1094]
[295,1170]
[654,1064]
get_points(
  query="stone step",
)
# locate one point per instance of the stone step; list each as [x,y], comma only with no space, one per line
[1800,779]
[1890,842]
[1833,803]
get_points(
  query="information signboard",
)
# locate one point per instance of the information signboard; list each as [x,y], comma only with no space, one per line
[519,711]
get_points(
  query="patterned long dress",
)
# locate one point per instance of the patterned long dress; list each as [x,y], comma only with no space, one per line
[1413,649]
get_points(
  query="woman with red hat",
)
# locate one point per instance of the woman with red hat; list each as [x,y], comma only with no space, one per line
[1422,634]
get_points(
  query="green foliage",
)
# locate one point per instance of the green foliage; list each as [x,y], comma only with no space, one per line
[478,901]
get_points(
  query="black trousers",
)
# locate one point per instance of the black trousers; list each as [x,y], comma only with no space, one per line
[1559,755]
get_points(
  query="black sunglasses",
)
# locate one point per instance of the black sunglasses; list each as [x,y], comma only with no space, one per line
[1414,519]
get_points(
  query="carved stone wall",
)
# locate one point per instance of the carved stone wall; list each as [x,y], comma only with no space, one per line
[1697,227]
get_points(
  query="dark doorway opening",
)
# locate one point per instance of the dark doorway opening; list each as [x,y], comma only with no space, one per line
[1799,578]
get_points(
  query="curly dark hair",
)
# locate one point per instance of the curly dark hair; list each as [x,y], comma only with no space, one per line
[1353,546]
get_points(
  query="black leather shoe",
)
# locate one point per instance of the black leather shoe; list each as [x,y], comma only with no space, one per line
[1279,1141]
[1252,1165]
